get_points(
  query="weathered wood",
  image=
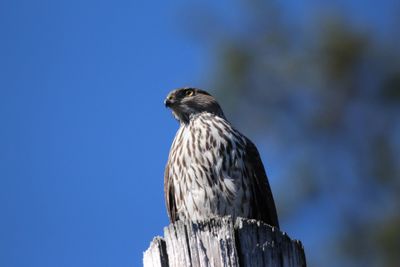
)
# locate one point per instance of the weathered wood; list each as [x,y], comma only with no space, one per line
[219,242]
[259,244]
[156,255]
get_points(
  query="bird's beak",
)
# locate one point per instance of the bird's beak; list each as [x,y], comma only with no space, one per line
[169,101]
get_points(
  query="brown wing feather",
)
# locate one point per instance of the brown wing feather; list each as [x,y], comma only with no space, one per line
[169,195]
[264,204]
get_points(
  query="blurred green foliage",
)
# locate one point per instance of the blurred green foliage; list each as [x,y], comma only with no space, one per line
[325,93]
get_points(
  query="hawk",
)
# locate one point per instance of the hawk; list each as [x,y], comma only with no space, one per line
[213,170]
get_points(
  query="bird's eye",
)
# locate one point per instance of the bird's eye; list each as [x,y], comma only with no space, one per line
[189,92]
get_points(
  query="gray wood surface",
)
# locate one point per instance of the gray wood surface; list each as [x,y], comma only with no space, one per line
[221,242]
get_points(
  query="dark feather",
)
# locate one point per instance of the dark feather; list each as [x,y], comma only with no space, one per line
[169,196]
[264,205]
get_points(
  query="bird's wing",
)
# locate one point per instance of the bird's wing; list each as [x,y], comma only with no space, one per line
[263,201]
[169,193]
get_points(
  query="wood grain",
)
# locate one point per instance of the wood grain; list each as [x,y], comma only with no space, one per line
[221,242]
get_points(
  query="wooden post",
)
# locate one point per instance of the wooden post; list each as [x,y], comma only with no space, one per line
[219,242]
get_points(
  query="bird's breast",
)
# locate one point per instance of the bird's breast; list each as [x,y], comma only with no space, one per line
[207,167]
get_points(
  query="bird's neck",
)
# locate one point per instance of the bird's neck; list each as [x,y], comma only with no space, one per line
[195,116]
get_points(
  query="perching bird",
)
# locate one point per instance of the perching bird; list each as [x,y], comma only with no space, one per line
[213,170]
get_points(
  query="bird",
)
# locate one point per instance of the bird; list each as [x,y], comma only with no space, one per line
[212,169]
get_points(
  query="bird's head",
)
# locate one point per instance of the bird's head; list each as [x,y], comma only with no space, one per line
[187,102]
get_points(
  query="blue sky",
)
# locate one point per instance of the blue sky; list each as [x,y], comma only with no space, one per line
[84,134]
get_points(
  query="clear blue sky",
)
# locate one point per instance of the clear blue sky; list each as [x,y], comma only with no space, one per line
[84,135]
